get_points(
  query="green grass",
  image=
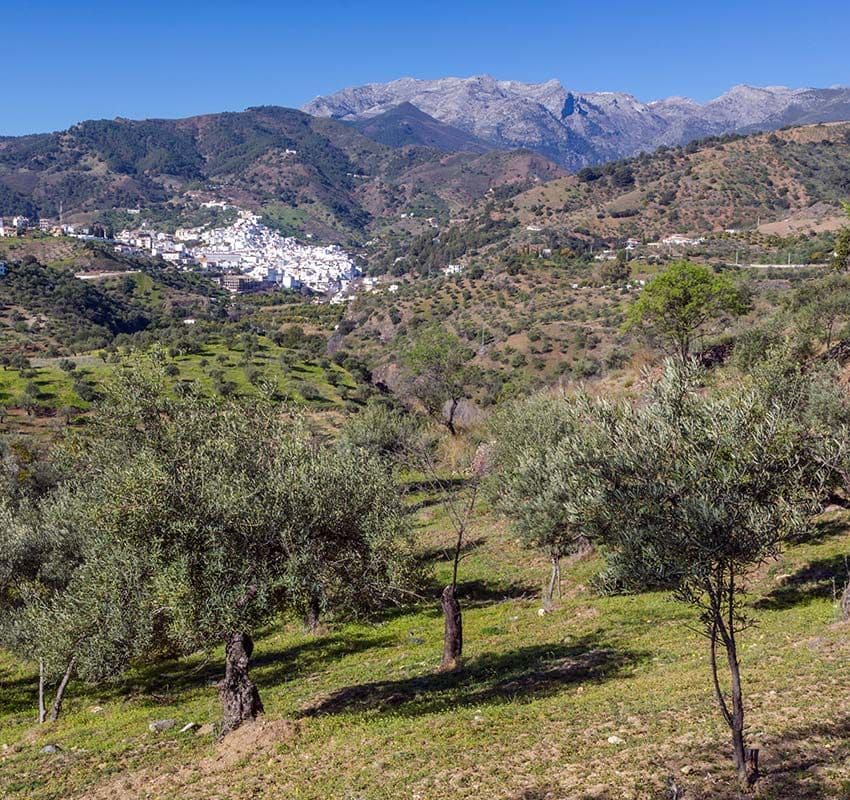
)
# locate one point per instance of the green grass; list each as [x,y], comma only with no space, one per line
[289,221]
[528,717]
[311,383]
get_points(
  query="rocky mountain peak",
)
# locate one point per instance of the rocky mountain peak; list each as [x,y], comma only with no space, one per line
[579,128]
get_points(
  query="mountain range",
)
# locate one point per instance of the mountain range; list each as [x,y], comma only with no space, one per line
[572,128]
[363,161]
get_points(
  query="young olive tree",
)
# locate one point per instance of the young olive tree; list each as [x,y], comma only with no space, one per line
[841,256]
[678,306]
[544,468]
[821,307]
[438,373]
[702,490]
[211,517]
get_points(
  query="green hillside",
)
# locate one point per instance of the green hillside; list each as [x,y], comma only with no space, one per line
[358,710]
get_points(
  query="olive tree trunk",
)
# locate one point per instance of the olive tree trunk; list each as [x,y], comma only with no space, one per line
[56,708]
[453,633]
[240,700]
[554,582]
[746,758]
[845,603]
[311,618]
[42,710]
[450,417]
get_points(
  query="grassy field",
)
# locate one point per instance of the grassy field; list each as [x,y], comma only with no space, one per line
[360,712]
[317,384]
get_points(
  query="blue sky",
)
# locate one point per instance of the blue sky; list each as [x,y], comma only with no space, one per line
[63,62]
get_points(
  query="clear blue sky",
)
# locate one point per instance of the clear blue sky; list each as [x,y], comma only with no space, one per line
[63,62]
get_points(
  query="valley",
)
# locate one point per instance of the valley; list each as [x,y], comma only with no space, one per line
[448,438]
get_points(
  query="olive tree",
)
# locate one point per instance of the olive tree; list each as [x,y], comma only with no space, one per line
[678,306]
[438,373]
[545,461]
[76,603]
[387,432]
[350,552]
[841,256]
[703,490]
[821,307]
[211,516]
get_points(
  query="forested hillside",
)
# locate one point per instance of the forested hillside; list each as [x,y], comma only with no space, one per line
[336,181]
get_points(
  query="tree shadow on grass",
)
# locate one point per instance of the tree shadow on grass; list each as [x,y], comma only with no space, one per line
[446,553]
[528,672]
[827,529]
[17,693]
[791,763]
[437,484]
[477,593]
[162,682]
[472,594]
[794,765]
[268,666]
[824,578]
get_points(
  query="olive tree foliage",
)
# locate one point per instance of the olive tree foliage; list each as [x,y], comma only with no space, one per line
[816,398]
[82,607]
[544,469]
[437,372]
[700,490]
[35,564]
[821,308]
[201,519]
[25,469]
[841,257]
[352,553]
[812,394]
[684,303]
[388,432]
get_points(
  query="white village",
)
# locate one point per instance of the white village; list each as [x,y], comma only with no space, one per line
[246,255]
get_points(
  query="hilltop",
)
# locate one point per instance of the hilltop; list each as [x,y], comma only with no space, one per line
[407,125]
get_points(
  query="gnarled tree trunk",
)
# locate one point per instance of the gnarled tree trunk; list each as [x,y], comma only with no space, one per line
[453,634]
[450,417]
[240,700]
[845,603]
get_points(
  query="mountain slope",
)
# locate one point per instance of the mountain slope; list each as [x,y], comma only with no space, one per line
[407,125]
[576,129]
[335,179]
[797,174]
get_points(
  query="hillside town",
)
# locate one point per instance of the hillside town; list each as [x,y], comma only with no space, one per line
[246,255]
